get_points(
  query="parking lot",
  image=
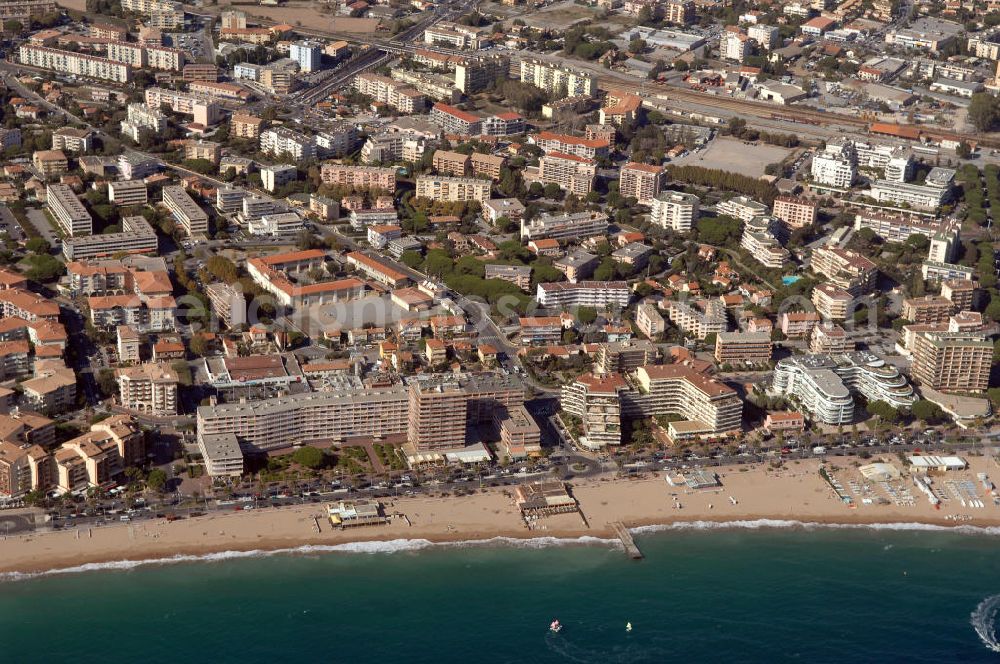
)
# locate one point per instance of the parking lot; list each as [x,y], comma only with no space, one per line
[197,46]
[9,225]
[732,154]
[42,224]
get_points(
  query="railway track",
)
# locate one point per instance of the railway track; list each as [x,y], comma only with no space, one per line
[792,113]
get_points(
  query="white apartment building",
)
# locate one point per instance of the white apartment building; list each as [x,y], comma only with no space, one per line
[984,46]
[928,196]
[338,140]
[229,199]
[202,108]
[391,147]
[564,226]
[760,239]
[649,321]
[699,318]
[164,58]
[735,46]
[283,223]
[130,53]
[597,294]
[895,228]
[824,383]
[453,35]
[73,140]
[899,169]
[766,36]
[401,96]
[187,213]
[943,246]
[573,174]
[149,6]
[142,117]
[439,188]
[309,55]
[148,388]
[281,141]
[556,79]
[69,62]
[339,414]
[126,193]
[136,237]
[835,166]
[69,212]
[272,177]
[812,381]
[743,208]
[675,210]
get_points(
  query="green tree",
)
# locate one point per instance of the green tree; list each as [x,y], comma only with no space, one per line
[927,411]
[310,457]
[606,270]
[37,245]
[586,315]
[157,480]
[983,111]
[198,345]
[106,382]
[437,263]
[411,259]
[553,191]
[883,410]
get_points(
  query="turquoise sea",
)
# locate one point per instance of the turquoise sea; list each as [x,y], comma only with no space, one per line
[758,594]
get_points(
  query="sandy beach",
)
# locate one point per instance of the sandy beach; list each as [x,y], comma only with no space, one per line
[795,493]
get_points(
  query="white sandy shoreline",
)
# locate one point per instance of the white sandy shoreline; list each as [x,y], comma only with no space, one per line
[792,498]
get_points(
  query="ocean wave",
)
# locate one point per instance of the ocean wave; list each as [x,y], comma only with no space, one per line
[365,547]
[542,542]
[758,524]
[984,620]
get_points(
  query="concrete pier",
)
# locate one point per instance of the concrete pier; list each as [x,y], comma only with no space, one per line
[631,550]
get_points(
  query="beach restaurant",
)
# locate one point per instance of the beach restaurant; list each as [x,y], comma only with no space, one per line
[544,498]
[345,514]
[932,463]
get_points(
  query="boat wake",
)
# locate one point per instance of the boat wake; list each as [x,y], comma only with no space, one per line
[984,620]
[571,652]
[370,547]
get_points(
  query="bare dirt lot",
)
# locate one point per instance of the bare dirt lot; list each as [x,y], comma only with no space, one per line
[314,17]
[559,16]
[732,154]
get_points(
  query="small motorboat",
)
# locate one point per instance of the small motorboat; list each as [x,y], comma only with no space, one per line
[555,626]
[628,627]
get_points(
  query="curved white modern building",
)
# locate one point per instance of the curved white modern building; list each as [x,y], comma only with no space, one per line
[824,383]
[811,379]
[871,376]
